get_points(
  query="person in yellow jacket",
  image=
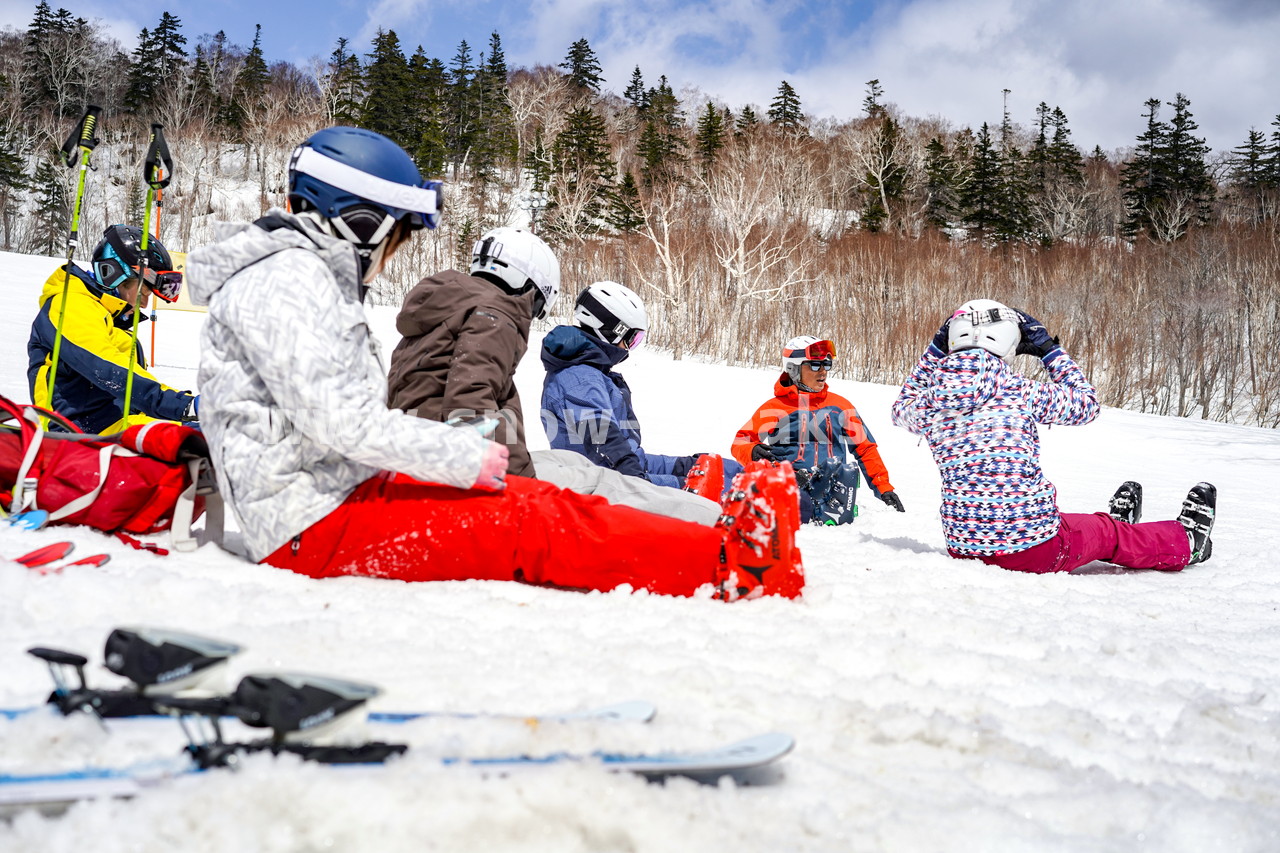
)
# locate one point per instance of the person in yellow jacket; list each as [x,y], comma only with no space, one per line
[93,360]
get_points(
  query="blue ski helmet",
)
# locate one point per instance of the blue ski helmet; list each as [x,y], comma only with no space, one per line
[118,255]
[340,168]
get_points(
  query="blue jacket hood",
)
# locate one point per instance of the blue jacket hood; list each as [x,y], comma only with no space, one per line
[566,346]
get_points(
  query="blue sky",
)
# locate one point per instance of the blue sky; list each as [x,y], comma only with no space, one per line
[1097,59]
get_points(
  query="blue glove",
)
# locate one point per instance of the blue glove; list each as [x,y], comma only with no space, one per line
[1035,337]
[193,410]
[942,340]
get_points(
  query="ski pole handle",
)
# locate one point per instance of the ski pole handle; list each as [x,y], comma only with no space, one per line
[157,167]
[81,137]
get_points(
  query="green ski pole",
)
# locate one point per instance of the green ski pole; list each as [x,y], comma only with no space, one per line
[157,171]
[78,147]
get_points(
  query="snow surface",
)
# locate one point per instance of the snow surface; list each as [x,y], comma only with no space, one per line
[937,704]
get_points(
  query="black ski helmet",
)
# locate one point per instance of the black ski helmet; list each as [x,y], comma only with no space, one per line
[118,255]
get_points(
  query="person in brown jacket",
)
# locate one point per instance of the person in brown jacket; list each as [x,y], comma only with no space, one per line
[462,337]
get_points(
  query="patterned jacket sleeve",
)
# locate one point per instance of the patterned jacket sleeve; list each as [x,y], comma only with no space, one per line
[908,410]
[1069,400]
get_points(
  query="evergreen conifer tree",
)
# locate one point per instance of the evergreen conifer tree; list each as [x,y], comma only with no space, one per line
[871,103]
[250,84]
[784,111]
[943,181]
[342,81]
[13,183]
[710,135]
[52,214]
[661,145]
[625,214]
[747,121]
[582,155]
[430,88]
[1273,156]
[1166,185]
[886,180]
[1251,176]
[1185,160]
[583,66]
[460,125]
[389,96]
[495,130]
[635,92]
[980,199]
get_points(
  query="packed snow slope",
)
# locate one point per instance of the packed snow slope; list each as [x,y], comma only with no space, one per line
[937,704]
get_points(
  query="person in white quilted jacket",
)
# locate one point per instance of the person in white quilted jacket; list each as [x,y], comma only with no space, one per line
[325,480]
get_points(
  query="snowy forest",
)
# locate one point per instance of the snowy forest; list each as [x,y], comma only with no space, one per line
[740,224]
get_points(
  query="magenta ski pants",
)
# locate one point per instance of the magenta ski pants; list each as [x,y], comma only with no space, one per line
[1084,538]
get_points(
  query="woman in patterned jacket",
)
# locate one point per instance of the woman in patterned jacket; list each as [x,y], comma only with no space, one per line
[979,418]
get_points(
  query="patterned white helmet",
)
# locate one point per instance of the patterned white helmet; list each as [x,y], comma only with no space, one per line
[612,313]
[985,324]
[518,261]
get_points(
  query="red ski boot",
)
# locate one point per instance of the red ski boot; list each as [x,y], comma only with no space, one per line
[706,477]
[758,556]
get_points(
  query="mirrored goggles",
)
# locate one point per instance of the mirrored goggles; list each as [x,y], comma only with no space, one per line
[165,284]
[820,350]
[632,339]
[818,363]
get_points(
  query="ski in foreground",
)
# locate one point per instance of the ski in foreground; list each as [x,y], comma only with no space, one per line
[162,664]
[746,761]
[303,713]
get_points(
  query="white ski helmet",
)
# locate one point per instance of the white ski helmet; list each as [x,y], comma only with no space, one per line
[612,313]
[517,261]
[985,324]
[804,348]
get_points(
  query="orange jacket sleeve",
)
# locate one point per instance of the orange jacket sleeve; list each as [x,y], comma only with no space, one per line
[867,451]
[763,422]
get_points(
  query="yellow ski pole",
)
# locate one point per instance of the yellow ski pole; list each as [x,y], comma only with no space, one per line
[79,146]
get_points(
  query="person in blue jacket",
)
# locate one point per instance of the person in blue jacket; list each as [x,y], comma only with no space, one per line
[586,405]
[94,358]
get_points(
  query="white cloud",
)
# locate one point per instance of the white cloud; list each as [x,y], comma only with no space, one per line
[1097,60]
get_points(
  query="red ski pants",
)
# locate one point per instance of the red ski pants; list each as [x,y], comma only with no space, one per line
[393,526]
[1084,538]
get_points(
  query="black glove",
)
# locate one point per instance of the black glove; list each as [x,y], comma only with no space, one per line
[765,452]
[1035,337]
[942,340]
[892,499]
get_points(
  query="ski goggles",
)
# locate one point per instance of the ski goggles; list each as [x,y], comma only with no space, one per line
[165,284]
[631,339]
[818,350]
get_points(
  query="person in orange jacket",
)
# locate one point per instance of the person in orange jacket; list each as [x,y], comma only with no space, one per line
[817,431]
